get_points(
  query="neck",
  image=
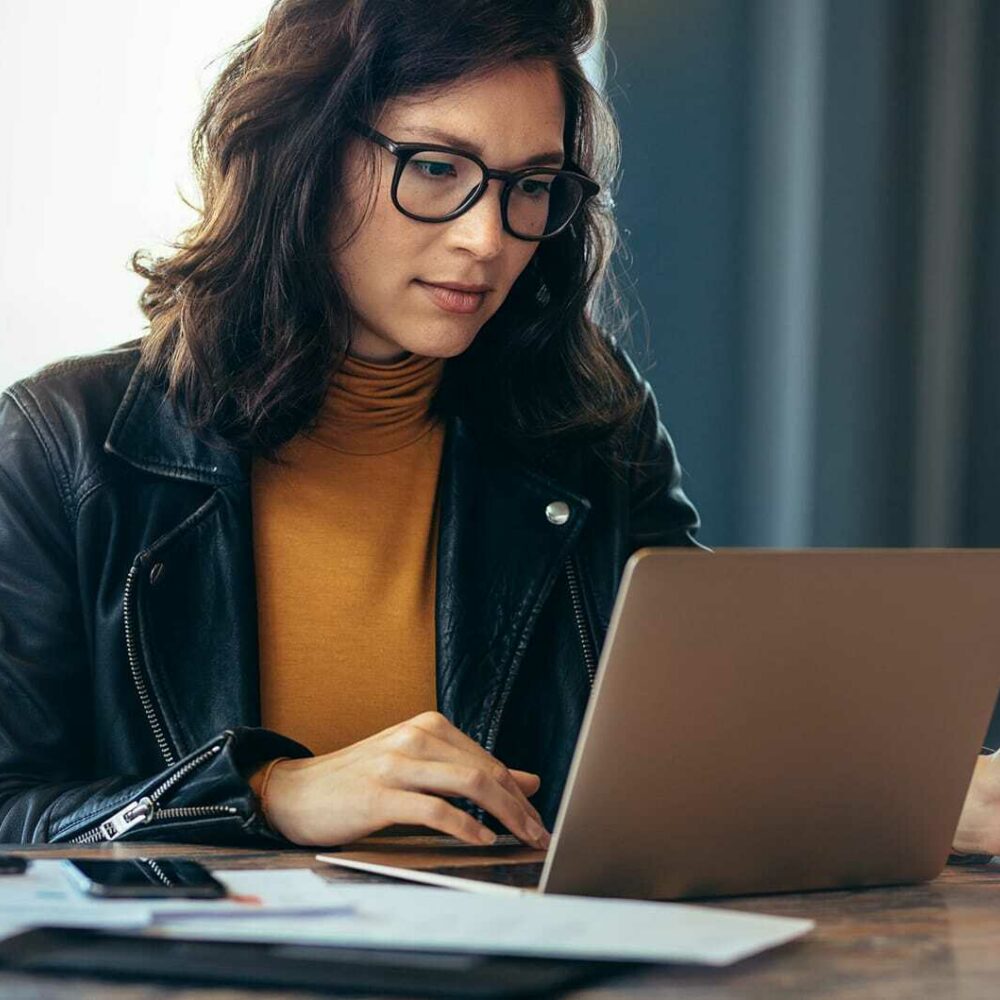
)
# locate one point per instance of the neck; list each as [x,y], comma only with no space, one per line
[379,359]
[375,350]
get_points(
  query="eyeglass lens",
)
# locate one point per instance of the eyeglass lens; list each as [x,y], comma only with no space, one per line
[434,184]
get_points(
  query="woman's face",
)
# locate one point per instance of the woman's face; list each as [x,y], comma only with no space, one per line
[509,118]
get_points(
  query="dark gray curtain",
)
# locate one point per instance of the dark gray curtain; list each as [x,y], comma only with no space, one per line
[811,202]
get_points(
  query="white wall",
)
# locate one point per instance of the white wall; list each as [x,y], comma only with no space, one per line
[97,102]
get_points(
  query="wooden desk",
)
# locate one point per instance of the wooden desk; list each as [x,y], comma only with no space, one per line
[939,940]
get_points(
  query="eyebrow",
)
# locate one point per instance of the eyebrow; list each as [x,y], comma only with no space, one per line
[555,156]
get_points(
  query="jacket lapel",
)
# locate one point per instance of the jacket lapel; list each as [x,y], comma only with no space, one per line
[195,593]
[498,557]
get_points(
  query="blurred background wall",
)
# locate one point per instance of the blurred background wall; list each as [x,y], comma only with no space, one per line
[811,195]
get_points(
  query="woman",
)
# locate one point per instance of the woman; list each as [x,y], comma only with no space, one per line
[334,547]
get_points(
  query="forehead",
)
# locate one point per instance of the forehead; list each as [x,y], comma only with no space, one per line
[508,115]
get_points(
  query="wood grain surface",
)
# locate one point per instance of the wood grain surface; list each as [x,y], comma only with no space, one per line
[939,940]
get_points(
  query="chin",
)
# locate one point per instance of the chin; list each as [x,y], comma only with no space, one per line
[446,344]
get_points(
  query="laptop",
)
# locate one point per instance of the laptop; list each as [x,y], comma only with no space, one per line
[771,721]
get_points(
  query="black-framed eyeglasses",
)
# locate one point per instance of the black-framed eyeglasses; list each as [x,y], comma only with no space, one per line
[437,183]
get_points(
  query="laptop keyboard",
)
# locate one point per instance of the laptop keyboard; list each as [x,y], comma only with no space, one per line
[521,876]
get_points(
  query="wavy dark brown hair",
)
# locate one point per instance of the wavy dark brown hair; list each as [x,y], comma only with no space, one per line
[247,319]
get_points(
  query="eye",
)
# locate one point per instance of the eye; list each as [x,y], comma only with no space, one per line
[433,168]
[534,188]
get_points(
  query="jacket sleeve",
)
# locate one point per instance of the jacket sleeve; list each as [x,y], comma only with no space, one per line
[659,511]
[48,791]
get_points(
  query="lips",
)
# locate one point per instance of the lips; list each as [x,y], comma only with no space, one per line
[459,286]
[456,299]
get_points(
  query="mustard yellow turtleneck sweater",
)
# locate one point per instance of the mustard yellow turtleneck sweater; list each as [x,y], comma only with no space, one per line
[345,549]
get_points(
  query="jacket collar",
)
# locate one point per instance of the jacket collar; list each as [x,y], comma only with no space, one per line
[149,433]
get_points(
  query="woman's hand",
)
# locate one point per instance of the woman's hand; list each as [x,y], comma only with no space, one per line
[401,775]
[979,825]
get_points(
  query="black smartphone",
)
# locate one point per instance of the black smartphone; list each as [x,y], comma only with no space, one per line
[11,864]
[144,878]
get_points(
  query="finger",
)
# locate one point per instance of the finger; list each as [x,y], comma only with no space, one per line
[431,736]
[419,744]
[528,782]
[404,806]
[473,783]
[444,751]
[437,725]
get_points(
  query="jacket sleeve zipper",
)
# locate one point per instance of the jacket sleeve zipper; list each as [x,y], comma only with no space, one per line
[145,809]
[138,677]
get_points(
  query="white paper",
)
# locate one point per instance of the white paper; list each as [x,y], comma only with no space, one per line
[430,919]
[45,896]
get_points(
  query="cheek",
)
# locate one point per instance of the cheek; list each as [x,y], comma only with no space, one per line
[383,253]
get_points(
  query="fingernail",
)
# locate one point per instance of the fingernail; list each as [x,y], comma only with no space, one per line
[535,832]
[487,836]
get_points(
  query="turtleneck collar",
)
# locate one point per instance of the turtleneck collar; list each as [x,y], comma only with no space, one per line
[372,408]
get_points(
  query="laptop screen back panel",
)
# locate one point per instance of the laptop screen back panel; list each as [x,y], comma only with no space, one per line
[778,721]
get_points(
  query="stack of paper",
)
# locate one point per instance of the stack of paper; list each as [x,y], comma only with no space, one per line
[299,906]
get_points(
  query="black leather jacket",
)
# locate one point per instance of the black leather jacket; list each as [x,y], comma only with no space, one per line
[128,627]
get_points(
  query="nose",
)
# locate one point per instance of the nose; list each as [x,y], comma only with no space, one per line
[480,229]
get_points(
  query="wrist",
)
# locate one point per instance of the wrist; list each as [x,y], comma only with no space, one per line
[978,832]
[260,781]
[281,798]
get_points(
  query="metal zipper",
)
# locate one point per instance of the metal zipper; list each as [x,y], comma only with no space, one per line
[138,678]
[145,809]
[157,871]
[590,660]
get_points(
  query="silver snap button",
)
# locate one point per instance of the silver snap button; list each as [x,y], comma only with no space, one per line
[155,573]
[557,512]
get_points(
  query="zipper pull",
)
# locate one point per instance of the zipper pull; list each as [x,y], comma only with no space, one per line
[140,811]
